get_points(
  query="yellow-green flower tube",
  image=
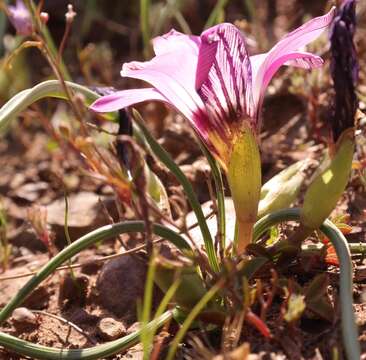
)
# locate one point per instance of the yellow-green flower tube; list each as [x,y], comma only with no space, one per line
[245,179]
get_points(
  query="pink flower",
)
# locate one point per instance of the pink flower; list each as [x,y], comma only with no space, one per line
[212,80]
[21,19]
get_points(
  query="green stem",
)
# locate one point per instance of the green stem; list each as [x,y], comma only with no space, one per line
[354,248]
[145,26]
[335,236]
[105,232]
[166,159]
[220,195]
[212,19]
[35,351]
[190,318]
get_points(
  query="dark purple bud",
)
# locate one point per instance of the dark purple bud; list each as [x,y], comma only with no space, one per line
[125,125]
[344,68]
[21,18]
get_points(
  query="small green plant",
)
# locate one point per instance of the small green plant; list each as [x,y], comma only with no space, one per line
[219,88]
[5,247]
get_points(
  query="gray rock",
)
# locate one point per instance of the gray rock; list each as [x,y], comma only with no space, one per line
[111,329]
[86,213]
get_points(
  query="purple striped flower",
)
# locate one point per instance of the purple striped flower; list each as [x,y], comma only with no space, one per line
[213,81]
[21,19]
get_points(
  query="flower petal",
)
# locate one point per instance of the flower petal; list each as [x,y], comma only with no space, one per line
[174,79]
[174,40]
[299,59]
[224,76]
[124,98]
[286,50]
[20,17]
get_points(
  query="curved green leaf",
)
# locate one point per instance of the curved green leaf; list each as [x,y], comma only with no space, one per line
[50,88]
[103,233]
[35,351]
[166,159]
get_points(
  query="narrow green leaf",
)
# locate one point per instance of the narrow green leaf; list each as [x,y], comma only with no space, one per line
[166,159]
[145,25]
[50,88]
[190,318]
[146,335]
[102,351]
[220,195]
[216,13]
[103,233]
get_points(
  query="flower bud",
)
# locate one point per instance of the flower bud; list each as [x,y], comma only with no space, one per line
[70,15]
[20,18]
[44,17]
[327,187]
[344,69]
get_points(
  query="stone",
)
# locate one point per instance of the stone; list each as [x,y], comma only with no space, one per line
[121,283]
[86,213]
[23,319]
[73,290]
[111,329]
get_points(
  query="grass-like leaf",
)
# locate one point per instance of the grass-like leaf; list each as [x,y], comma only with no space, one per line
[220,195]
[103,233]
[145,25]
[35,351]
[166,159]
[191,317]
[50,88]
[216,13]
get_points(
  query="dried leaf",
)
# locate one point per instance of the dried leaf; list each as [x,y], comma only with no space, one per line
[317,288]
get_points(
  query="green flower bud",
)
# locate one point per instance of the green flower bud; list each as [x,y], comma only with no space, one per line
[327,187]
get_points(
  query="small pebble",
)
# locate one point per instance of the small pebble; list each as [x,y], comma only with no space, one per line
[23,318]
[136,326]
[73,290]
[111,329]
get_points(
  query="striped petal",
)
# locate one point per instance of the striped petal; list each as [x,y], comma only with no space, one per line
[224,78]
[285,52]
[298,59]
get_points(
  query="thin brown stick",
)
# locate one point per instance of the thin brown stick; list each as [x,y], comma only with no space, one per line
[64,40]
[67,322]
